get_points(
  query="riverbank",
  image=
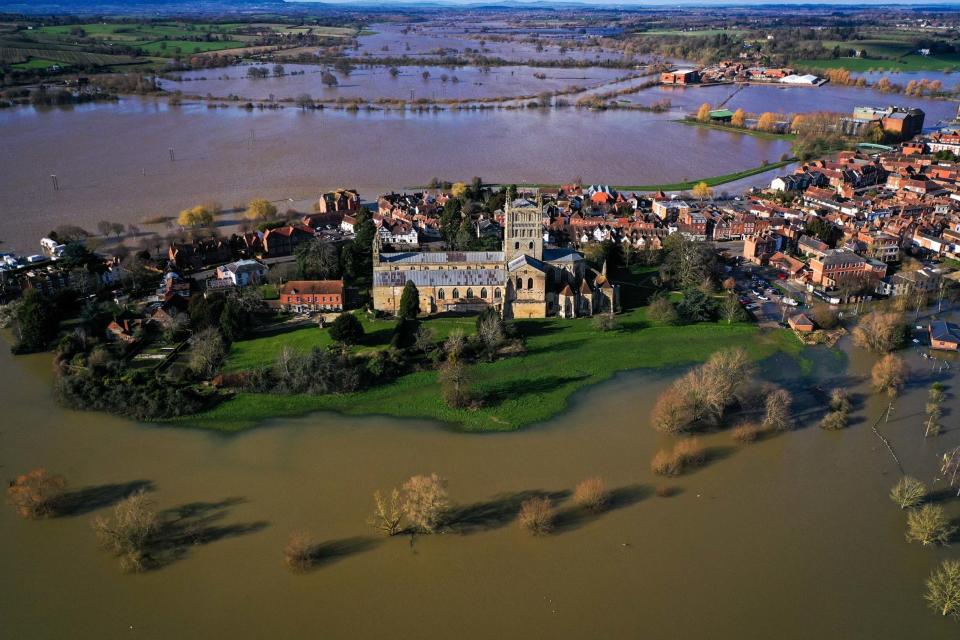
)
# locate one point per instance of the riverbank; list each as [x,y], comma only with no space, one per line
[562,358]
[712,181]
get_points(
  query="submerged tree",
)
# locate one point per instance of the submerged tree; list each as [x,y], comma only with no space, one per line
[934,410]
[943,589]
[879,331]
[129,533]
[536,516]
[387,513]
[426,502]
[777,414]
[591,494]
[298,554]
[34,494]
[929,525]
[908,492]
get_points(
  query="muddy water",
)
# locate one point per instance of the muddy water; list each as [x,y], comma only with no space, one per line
[793,537]
[113,160]
[424,40]
[373,83]
[759,98]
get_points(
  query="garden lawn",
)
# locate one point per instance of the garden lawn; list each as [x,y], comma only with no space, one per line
[563,357]
[263,351]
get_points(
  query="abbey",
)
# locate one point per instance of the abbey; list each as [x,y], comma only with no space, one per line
[525,280]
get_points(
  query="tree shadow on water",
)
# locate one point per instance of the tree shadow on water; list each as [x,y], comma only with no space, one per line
[92,498]
[325,553]
[619,498]
[194,524]
[496,512]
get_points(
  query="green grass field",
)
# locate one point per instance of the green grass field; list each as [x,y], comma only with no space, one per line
[171,47]
[38,63]
[563,357]
[259,352]
[907,63]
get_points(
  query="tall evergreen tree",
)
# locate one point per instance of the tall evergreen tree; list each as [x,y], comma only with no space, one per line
[409,301]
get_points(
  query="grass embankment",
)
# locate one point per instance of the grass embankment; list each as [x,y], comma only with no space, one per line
[563,356]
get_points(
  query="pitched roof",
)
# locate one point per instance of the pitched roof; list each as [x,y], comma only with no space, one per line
[523,260]
[309,287]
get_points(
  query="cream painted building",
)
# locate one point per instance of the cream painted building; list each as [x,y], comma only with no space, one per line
[525,280]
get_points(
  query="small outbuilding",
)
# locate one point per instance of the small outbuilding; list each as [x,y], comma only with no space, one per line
[721,115]
[800,323]
[944,335]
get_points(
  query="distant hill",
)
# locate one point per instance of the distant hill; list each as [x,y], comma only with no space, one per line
[127,7]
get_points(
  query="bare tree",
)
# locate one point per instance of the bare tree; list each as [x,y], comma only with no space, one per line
[943,589]
[879,331]
[207,350]
[426,502]
[129,532]
[591,494]
[453,346]
[777,415]
[491,333]
[34,493]
[929,525]
[455,378]
[536,516]
[889,375]
[298,554]
[387,514]
[908,492]
[934,410]
[950,467]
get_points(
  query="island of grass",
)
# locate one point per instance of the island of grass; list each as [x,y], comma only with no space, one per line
[562,357]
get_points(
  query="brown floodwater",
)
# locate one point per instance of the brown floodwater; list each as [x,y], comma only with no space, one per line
[375,82]
[426,39]
[113,162]
[793,537]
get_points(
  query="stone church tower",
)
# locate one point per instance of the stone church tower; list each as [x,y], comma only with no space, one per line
[523,230]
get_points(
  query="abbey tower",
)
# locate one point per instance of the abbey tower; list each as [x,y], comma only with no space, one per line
[523,230]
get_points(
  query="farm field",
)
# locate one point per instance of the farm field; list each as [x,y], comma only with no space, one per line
[906,64]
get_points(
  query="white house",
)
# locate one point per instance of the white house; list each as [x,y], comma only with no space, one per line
[242,273]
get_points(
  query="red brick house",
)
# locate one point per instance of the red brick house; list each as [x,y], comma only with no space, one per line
[312,295]
[283,240]
[126,331]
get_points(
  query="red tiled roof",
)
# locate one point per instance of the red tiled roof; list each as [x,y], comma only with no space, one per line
[310,287]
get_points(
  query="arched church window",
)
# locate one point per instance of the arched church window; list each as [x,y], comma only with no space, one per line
[456,294]
[440,294]
[519,283]
[496,293]
[483,294]
[516,245]
[529,283]
[469,293]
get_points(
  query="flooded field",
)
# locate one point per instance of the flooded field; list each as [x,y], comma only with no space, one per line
[376,82]
[760,98]
[112,160]
[433,38]
[793,537]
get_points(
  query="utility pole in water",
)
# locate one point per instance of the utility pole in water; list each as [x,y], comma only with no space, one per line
[55,181]
[172,156]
